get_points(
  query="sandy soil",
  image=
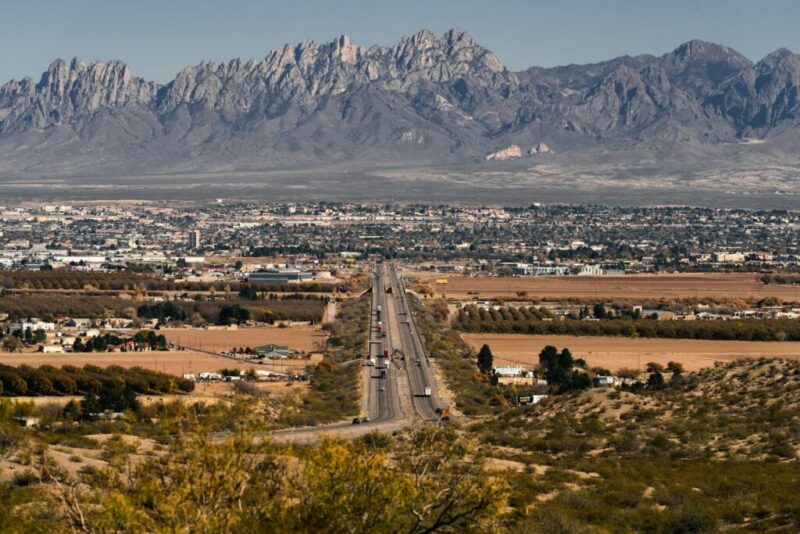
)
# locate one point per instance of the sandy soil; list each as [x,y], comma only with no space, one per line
[300,338]
[615,353]
[172,362]
[721,286]
[204,392]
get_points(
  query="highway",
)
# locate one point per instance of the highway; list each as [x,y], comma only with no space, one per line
[398,391]
[381,380]
[422,383]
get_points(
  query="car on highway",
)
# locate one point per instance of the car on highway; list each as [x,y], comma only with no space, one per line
[381,388]
[360,420]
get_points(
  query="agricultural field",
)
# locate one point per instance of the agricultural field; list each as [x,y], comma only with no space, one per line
[716,286]
[300,338]
[172,362]
[615,353]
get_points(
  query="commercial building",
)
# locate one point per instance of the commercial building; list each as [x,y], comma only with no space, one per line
[279,276]
[194,239]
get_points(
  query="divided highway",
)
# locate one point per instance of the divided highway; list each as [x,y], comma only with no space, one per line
[424,393]
[399,387]
[402,380]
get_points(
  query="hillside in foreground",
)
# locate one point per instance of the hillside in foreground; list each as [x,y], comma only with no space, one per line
[716,450]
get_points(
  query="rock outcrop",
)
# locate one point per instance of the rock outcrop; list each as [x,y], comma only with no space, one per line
[510,152]
[539,148]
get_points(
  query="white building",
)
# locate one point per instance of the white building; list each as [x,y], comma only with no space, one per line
[729,257]
[590,270]
[34,324]
[509,370]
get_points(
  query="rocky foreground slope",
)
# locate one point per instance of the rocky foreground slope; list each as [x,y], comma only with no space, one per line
[428,100]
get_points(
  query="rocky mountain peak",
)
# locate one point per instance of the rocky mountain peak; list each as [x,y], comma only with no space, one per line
[781,58]
[347,50]
[77,65]
[444,96]
[697,47]
[458,37]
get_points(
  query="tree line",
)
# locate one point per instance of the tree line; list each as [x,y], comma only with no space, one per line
[63,279]
[236,310]
[50,306]
[26,380]
[509,320]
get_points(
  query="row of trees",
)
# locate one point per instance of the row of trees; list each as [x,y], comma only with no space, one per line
[49,306]
[234,311]
[71,380]
[103,342]
[126,280]
[506,321]
[258,292]
[69,279]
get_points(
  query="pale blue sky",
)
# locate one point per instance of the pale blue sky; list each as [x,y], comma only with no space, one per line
[158,37]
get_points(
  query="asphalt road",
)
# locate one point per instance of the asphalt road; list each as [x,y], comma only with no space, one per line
[398,399]
[423,389]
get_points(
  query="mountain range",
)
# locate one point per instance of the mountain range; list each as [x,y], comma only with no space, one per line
[428,100]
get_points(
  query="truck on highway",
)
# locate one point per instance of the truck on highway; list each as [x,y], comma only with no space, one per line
[380,328]
[386,353]
[427,392]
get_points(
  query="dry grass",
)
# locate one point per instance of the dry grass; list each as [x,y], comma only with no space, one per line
[300,338]
[172,362]
[732,286]
[616,353]
[205,392]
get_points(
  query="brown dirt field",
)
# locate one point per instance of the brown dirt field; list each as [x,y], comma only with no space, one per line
[172,362]
[615,353]
[300,338]
[701,285]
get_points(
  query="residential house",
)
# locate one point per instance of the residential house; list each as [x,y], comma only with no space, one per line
[274,352]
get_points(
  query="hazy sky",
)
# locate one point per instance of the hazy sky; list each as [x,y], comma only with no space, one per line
[158,37]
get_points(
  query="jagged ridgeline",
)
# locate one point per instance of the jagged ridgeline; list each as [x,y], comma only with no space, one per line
[426,99]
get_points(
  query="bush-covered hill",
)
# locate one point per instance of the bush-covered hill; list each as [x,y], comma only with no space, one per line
[716,450]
